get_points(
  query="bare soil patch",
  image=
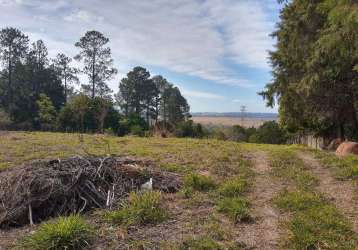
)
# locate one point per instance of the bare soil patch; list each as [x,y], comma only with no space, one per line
[264,232]
[341,193]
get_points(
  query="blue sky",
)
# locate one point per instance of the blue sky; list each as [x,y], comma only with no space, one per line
[215,51]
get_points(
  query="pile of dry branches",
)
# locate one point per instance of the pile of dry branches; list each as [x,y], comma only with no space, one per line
[38,190]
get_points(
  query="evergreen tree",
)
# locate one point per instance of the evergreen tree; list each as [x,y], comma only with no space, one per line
[13,48]
[315,79]
[68,74]
[98,63]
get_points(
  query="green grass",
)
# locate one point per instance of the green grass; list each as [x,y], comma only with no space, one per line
[63,233]
[234,187]
[346,167]
[314,222]
[321,227]
[199,182]
[298,200]
[235,208]
[287,166]
[142,208]
[202,243]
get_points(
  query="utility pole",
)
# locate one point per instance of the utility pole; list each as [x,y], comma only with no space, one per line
[243,112]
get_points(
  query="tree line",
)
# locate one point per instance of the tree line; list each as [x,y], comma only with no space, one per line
[315,68]
[37,92]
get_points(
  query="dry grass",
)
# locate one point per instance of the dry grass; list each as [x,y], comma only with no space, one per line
[230,121]
[200,217]
[218,160]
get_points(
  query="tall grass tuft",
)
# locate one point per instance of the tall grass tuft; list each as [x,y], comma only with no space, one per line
[69,233]
[235,208]
[199,182]
[234,187]
[142,208]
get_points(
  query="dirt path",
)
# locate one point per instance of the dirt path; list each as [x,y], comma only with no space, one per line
[341,193]
[264,232]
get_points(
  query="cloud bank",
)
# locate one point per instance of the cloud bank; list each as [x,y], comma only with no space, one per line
[201,38]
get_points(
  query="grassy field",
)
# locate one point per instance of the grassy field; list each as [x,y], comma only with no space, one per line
[230,121]
[235,196]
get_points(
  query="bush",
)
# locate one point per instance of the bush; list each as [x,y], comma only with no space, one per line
[137,130]
[270,133]
[238,133]
[142,208]
[235,208]
[132,124]
[199,182]
[190,129]
[233,187]
[5,120]
[254,138]
[64,233]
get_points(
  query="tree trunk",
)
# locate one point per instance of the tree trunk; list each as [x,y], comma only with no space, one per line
[65,89]
[10,79]
[93,75]
[341,131]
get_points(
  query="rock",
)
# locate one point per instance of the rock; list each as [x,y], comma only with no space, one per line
[346,148]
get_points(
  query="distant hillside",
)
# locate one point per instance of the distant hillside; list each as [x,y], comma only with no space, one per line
[236,114]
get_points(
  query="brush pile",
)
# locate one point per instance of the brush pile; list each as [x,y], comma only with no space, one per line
[36,191]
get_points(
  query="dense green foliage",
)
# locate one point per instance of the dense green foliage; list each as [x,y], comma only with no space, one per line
[152,98]
[315,76]
[38,93]
[269,133]
[70,233]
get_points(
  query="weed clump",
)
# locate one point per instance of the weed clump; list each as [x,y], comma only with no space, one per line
[142,208]
[234,187]
[70,232]
[199,182]
[235,208]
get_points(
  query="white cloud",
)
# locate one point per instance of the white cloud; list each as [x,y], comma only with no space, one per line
[83,16]
[200,94]
[195,37]
[236,100]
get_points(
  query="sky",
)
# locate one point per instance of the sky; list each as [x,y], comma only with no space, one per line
[215,51]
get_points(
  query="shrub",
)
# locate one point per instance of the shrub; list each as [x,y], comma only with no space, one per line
[142,208]
[238,133]
[235,208]
[189,129]
[254,138]
[132,124]
[64,233]
[233,187]
[270,133]
[137,130]
[199,182]
[5,120]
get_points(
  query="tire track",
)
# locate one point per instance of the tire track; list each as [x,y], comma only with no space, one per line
[340,193]
[264,232]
